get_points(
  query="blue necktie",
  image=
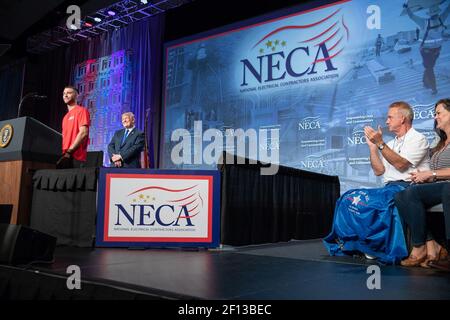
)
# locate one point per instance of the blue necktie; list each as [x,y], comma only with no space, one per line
[125,136]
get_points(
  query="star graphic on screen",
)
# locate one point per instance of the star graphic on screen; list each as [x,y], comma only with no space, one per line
[277,42]
[356,200]
[261,50]
[283,43]
[269,44]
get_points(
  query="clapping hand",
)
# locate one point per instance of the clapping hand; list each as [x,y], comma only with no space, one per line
[373,137]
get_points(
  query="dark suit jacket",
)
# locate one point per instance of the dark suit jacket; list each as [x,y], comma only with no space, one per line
[130,150]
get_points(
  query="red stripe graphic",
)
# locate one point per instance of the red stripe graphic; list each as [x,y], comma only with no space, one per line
[189,216]
[161,188]
[335,44]
[346,29]
[314,38]
[186,204]
[330,57]
[183,198]
[296,27]
[199,195]
[329,38]
[193,208]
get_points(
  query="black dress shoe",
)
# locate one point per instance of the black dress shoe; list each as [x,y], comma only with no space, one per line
[443,265]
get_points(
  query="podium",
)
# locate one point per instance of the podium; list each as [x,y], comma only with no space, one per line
[26,145]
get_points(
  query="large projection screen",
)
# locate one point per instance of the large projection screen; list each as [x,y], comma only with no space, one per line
[315,76]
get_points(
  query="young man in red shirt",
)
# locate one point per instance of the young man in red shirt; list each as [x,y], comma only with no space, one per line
[75,131]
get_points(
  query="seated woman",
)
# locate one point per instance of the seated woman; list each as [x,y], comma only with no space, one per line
[430,188]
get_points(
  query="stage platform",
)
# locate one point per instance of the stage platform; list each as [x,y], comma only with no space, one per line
[281,271]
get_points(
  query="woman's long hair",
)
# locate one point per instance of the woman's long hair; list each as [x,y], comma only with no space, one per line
[442,135]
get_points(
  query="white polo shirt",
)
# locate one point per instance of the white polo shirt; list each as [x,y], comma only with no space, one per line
[414,147]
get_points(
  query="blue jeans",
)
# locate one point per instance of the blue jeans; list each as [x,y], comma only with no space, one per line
[413,202]
[402,183]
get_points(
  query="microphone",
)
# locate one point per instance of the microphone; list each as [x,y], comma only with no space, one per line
[34,95]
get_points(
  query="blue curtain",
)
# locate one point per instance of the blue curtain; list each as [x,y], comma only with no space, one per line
[49,73]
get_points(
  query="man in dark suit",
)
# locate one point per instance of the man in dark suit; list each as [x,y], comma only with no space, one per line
[127,144]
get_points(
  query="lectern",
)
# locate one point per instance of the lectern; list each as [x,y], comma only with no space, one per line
[26,145]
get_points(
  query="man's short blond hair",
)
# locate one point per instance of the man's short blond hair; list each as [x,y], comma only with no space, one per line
[129,114]
[405,109]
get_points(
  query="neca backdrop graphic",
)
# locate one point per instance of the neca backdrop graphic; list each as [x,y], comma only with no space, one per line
[317,75]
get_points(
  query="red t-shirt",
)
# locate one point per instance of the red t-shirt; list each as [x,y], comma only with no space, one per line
[71,124]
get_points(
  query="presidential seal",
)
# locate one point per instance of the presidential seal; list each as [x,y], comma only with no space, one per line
[6,133]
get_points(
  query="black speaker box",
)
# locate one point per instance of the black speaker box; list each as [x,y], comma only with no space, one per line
[21,245]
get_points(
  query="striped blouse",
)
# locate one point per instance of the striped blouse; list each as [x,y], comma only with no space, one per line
[441,159]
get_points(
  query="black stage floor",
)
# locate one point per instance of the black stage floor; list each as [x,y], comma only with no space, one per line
[282,271]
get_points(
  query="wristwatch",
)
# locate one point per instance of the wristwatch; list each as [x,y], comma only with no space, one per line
[434,176]
[381,146]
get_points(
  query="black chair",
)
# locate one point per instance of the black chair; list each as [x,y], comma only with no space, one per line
[435,223]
